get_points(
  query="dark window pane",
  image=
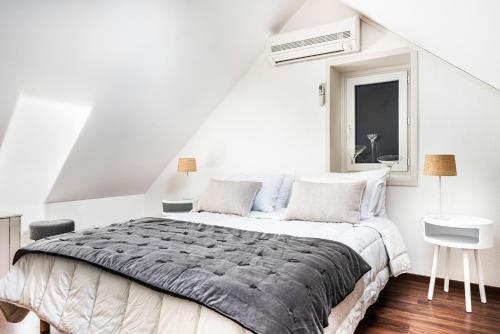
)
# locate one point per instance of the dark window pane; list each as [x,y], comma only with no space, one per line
[376,112]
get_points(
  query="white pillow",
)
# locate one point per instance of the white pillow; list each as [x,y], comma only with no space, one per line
[284,192]
[266,197]
[326,202]
[373,201]
[230,197]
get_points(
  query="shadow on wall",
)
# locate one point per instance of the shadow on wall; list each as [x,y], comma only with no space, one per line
[178,185]
[39,138]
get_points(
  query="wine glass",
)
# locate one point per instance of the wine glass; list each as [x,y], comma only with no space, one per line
[353,154]
[390,160]
[372,137]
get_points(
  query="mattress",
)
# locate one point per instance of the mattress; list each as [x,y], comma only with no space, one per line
[78,298]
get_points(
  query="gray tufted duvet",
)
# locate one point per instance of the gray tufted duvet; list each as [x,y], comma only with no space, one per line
[268,283]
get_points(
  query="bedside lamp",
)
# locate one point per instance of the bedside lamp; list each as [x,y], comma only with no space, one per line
[440,165]
[187,165]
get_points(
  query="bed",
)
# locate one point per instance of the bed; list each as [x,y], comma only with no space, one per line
[77,297]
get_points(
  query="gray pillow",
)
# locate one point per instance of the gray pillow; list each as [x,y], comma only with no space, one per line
[231,197]
[326,202]
[265,200]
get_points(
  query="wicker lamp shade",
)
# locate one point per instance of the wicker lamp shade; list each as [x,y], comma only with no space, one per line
[440,165]
[186,165]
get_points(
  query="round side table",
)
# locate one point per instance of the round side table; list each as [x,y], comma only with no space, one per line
[470,234]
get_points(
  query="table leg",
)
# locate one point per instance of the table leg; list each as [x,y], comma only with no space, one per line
[447,269]
[468,305]
[44,327]
[433,273]
[480,276]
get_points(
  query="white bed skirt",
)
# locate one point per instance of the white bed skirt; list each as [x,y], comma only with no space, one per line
[75,297]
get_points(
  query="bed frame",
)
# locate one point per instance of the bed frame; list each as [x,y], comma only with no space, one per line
[44,327]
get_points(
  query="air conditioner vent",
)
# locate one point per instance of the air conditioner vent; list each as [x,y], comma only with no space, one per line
[328,40]
[311,41]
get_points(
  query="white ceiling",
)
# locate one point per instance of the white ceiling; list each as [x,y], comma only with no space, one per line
[464,33]
[151,71]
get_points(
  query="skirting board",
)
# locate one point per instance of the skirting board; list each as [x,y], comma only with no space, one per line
[453,283]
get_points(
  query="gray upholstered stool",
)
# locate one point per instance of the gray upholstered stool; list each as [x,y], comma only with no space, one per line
[47,228]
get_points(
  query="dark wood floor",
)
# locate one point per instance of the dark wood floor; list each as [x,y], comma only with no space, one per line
[30,325]
[402,308]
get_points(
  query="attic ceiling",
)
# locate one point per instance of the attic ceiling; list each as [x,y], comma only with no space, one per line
[462,32]
[149,71]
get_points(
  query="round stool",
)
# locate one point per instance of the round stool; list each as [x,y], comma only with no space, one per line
[47,228]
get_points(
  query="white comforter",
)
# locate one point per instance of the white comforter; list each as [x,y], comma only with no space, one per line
[78,298]
[348,234]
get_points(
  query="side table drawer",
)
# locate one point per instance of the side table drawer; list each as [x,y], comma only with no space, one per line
[177,207]
[446,234]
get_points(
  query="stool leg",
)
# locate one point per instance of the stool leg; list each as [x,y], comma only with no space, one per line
[468,304]
[480,276]
[433,273]
[447,269]
[44,327]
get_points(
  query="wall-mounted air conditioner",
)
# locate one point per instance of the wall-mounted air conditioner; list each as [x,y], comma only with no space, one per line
[335,38]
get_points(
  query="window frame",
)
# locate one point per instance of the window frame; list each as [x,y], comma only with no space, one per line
[336,68]
[350,83]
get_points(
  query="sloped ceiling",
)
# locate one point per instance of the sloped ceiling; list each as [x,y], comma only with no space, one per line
[151,71]
[463,33]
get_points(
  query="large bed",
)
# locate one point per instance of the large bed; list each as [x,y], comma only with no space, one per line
[77,297]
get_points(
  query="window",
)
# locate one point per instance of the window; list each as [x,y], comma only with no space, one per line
[372,113]
[376,110]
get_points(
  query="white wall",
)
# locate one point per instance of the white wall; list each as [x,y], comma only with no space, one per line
[458,114]
[271,121]
[98,212]
[85,213]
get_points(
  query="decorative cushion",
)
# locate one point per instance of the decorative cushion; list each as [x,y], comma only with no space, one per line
[47,228]
[326,202]
[266,197]
[373,201]
[230,197]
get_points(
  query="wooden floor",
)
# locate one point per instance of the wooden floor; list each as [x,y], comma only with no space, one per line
[30,325]
[402,308]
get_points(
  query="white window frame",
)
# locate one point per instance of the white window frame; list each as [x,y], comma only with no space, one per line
[364,63]
[364,79]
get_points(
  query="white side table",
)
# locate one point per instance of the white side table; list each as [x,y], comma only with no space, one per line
[10,239]
[470,234]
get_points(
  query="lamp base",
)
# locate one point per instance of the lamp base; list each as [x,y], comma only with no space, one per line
[188,184]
